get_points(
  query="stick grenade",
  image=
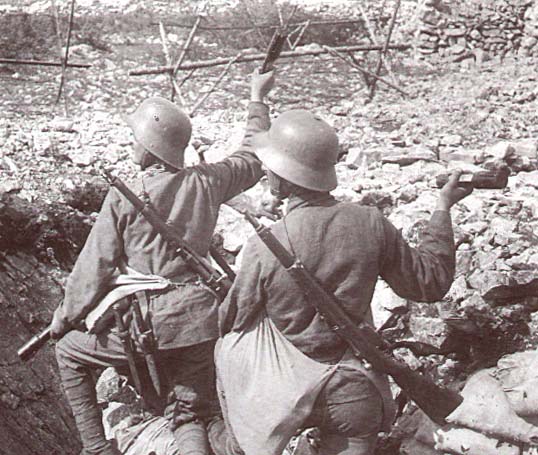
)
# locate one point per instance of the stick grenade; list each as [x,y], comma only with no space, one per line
[495,179]
[273,51]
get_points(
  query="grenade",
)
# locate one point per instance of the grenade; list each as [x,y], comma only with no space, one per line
[489,179]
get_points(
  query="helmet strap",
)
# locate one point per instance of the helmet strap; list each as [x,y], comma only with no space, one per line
[147,160]
[277,185]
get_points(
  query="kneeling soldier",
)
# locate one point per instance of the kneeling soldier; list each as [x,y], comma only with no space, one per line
[184,313]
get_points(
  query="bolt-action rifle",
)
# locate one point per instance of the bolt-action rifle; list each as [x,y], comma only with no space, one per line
[218,282]
[437,402]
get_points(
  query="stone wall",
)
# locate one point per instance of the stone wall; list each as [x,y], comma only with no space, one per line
[476,27]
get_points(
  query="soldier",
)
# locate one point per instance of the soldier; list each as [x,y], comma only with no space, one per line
[184,315]
[347,247]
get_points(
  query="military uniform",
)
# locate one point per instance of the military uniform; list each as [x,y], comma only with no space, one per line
[347,247]
[184,316]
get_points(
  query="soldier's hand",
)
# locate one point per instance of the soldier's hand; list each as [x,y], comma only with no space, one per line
[452,193]
[261,84]
[58,327]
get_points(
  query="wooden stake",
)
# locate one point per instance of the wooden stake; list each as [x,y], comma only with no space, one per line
[66,57]
[58,40]
[284,26]
[371,33]
[385,49]
[56,15]
[217,81]
[257,57]
[214,27]
[187,45]
[365,77]
[187,77]
[334,52]
[14,61]
[301,34]
[175,88]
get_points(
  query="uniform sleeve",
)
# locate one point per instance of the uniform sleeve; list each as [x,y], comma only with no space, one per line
[424,273]
[242,169]
[95,264]
[246,297]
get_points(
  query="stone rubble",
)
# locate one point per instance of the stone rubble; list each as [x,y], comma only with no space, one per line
[506,403]
[476,29]
[391,153]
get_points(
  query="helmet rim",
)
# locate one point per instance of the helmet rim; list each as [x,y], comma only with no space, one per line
[279,162]
[163,148]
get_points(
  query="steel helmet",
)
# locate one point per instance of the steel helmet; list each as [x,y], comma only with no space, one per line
[301,148]
[162,128]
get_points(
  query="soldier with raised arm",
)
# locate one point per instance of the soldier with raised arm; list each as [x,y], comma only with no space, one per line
[347,247]
[183,313]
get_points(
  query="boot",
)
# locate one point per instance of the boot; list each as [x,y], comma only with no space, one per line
[220,440]
[306,444]
[191,439]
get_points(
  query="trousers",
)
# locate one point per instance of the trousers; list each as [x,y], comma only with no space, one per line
[189,372]
[348,413]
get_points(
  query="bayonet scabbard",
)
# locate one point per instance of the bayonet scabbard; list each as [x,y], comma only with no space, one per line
[128,347]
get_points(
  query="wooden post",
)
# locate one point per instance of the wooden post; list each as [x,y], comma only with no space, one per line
[385,48]
[58,40]
[365,71]
[185,49]
[14,61]
[168,59]
[214,86]
[371,33]
[284,26]
[256,57]
[66,56]
[300,35]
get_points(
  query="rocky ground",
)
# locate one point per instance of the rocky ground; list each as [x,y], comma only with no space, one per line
[456,115]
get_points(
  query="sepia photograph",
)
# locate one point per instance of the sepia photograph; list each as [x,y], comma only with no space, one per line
[269,227]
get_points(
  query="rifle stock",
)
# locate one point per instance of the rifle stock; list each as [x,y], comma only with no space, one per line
[33,345]
[219,283]
[436,401]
